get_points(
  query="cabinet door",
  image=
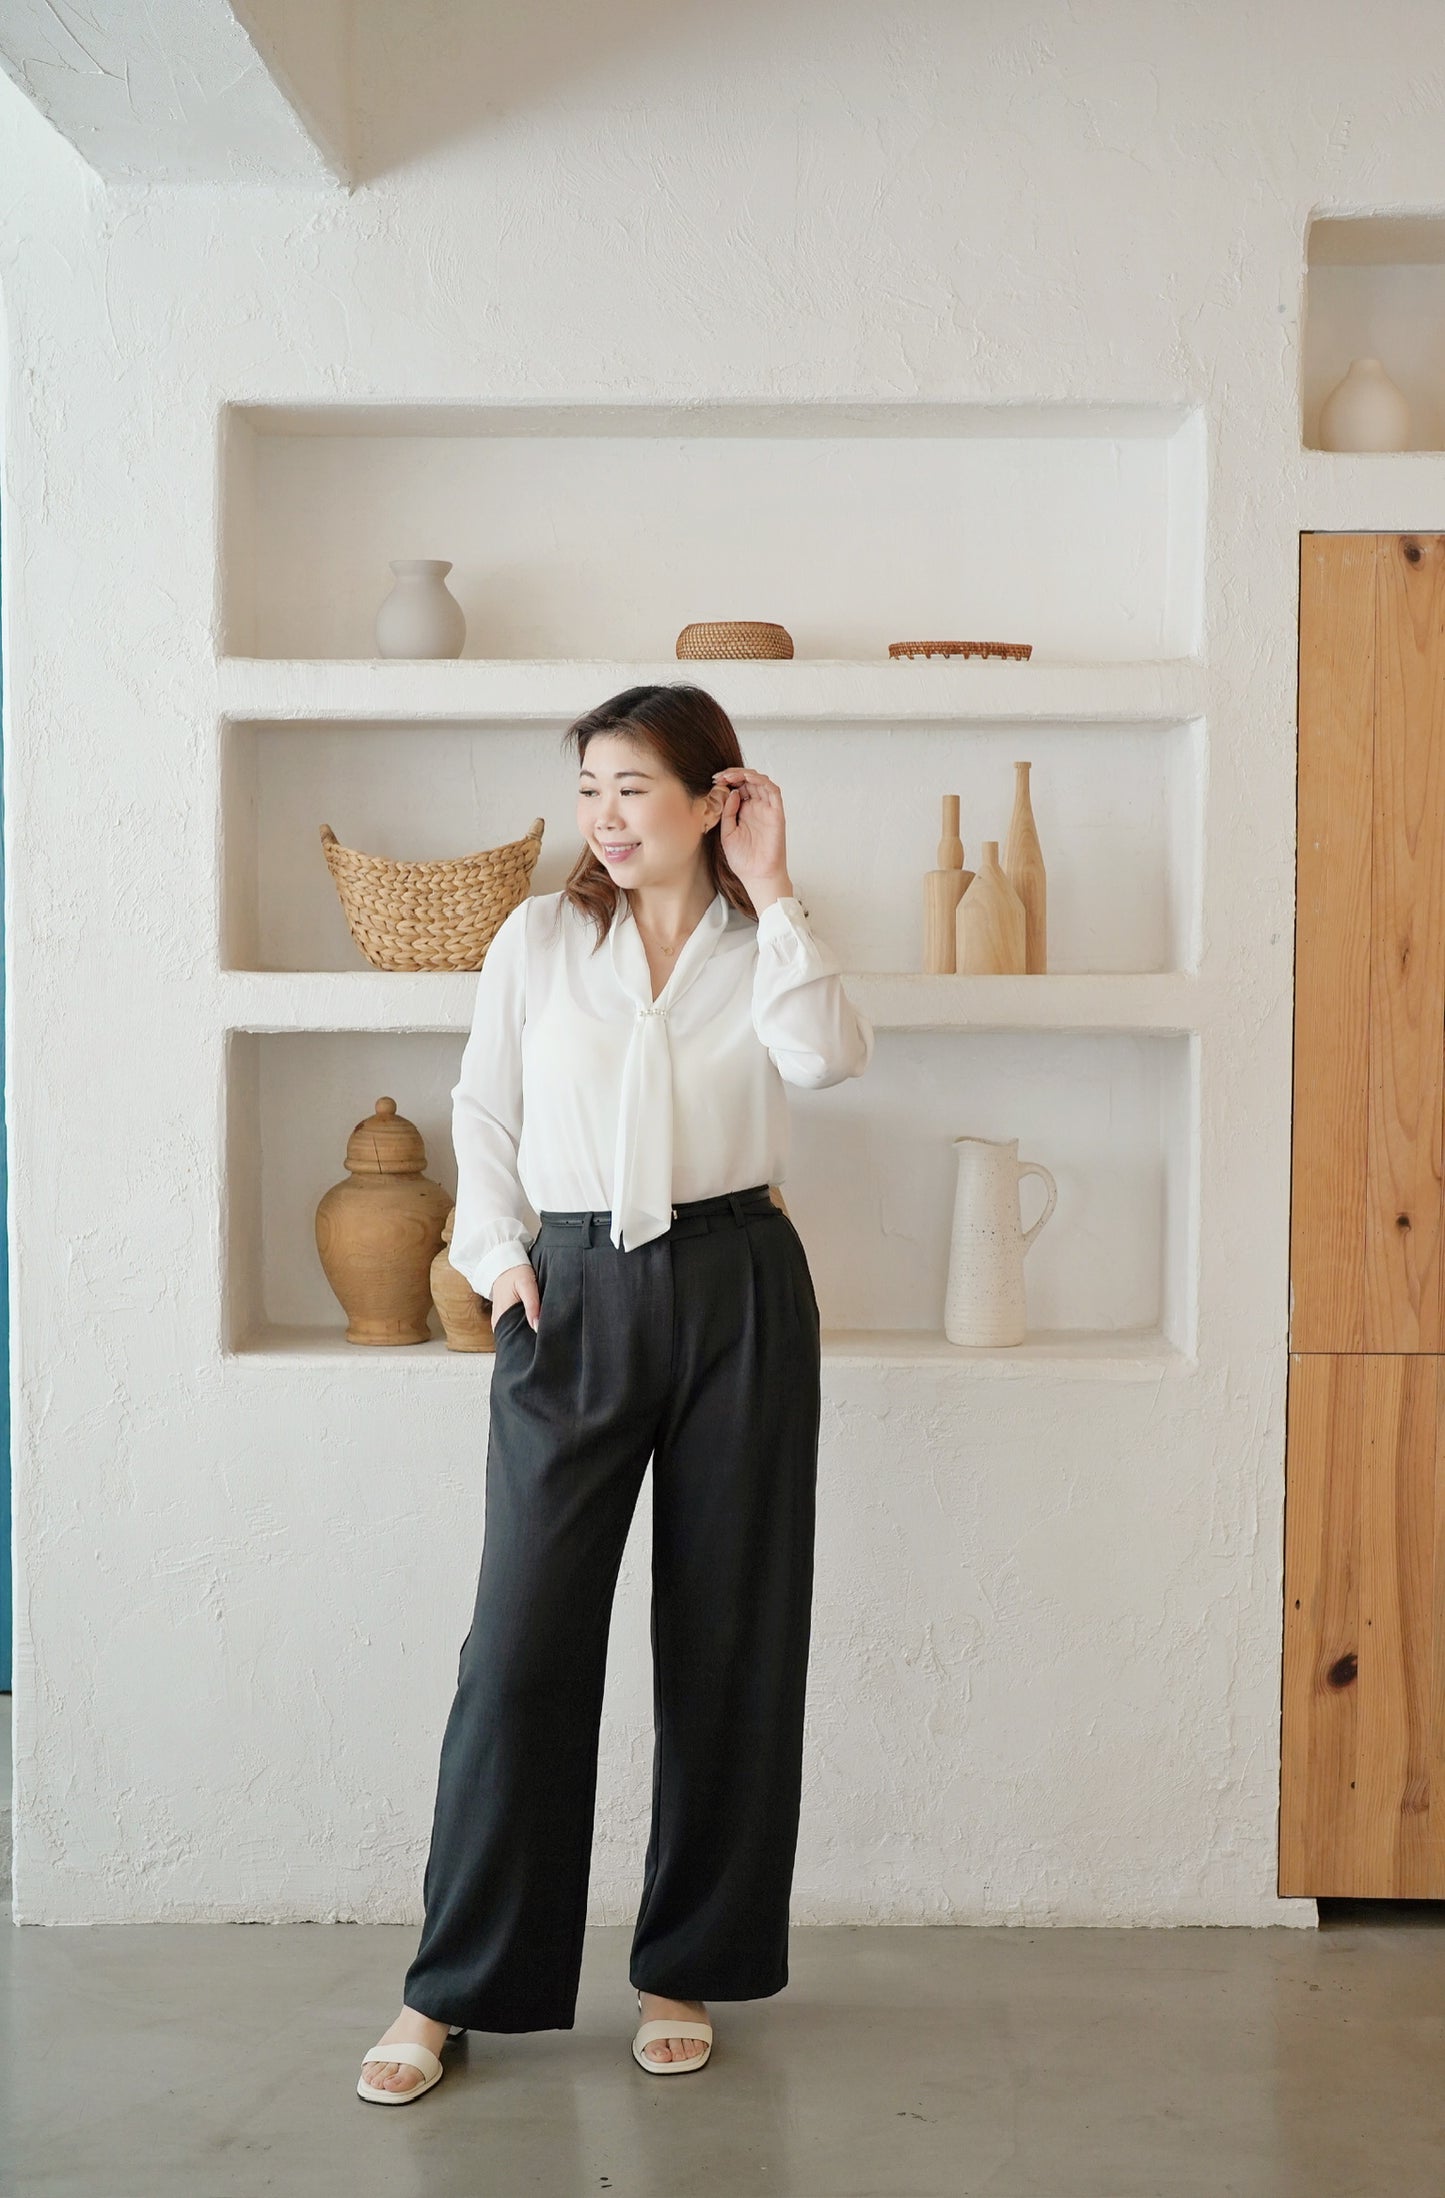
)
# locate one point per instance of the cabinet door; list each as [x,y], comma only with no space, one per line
[1367,1251]
[1362,1779]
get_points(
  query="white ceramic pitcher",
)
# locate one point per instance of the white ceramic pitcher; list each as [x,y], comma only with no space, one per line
[984,1301]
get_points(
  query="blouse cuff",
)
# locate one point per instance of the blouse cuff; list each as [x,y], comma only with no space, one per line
[783,913]
[783,926]
[484,1273]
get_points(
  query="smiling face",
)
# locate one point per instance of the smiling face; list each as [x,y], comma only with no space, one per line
[638,818]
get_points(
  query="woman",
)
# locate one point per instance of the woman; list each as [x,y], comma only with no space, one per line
[626,1066]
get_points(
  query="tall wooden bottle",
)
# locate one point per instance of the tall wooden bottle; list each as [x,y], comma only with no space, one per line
[1023,862]
[943,889]
[991,934]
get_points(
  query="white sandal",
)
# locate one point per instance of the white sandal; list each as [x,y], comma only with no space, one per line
[415,2056]
[670,2026]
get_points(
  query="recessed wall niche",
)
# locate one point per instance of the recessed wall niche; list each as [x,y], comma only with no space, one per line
[1117,806]
[1110,1278]
[600,531]
[1375,288]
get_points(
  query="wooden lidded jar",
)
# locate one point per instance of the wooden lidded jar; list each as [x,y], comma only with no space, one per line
[466,1317]
[379,1231]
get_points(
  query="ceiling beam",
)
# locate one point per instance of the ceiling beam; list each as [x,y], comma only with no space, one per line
[189,91]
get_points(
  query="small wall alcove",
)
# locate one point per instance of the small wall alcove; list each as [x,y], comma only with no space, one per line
[1375,288]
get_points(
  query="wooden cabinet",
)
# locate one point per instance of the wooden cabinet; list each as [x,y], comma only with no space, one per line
[1362,1803]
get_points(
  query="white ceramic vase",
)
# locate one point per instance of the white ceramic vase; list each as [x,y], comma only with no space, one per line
[420,617]
[984,1301]
[1365,411]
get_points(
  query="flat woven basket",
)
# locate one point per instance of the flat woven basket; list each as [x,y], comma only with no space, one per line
[430,915]
[734,637]
[1021,650]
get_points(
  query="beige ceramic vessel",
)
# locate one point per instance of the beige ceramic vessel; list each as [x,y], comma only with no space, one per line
[984,1301]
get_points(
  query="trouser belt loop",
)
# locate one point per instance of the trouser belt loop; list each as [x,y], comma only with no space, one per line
[736,1203]
[588,1224]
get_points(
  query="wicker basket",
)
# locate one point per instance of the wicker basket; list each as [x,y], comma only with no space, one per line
[734,637]
[430,915]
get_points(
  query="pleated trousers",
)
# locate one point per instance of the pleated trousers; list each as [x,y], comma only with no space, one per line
[699,1351]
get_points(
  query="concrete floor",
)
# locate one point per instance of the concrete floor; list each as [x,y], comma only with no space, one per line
[195,2061]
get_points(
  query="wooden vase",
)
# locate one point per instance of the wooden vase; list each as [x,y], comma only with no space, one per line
[466,1318]
[943,889]
[378,1232]
[991,935]
[1023,862]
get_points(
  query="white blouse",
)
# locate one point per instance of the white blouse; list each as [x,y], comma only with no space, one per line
[578,1090]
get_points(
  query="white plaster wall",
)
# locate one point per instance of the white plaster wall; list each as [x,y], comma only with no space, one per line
[1047,1627]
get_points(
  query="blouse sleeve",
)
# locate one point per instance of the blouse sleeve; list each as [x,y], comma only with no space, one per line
[494,1225]
[814,1034]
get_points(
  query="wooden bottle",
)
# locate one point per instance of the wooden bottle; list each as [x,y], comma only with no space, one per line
[991,932]
[943,889]
[1023,864]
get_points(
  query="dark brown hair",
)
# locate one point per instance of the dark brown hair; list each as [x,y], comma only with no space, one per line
[692,735]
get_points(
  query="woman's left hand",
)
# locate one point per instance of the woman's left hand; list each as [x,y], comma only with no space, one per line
[751,825]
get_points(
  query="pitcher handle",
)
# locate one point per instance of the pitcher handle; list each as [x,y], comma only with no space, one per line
[1034,1167]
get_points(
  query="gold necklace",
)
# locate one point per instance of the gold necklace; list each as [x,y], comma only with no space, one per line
[650,940]
[657,945]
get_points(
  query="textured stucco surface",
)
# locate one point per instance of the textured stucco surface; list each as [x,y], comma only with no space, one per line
[1046,1670]
[186,91]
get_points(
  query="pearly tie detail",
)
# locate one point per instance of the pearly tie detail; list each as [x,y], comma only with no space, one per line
[642,1160]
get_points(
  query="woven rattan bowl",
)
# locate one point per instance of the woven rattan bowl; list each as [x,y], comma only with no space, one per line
[430,915]
[735,637]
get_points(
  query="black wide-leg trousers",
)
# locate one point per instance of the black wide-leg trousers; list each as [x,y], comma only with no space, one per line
[699,1350]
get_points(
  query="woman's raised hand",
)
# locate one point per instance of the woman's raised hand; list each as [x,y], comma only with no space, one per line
[751,827]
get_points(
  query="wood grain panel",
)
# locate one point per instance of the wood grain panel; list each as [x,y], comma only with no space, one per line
[1329,1161]
[1362,1785]
[1399,1734]
[1403,1232]
[1324,1444]
[1362,1781]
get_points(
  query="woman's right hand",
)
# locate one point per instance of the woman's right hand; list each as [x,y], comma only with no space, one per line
[514,1283]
